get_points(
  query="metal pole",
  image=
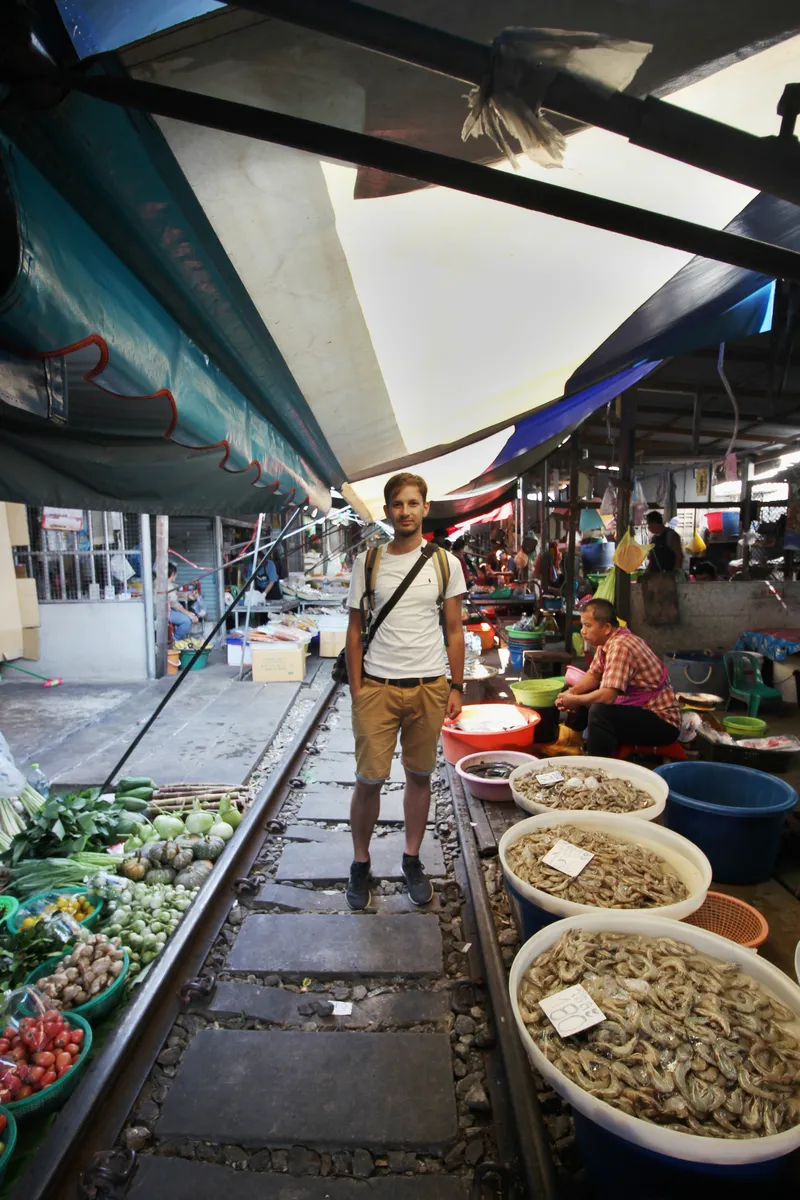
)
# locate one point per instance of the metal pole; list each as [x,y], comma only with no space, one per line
[382,154]
[627,435]
[766,164]
[256,549]
[147,596]
[544,531]
[162,598]
[574,512]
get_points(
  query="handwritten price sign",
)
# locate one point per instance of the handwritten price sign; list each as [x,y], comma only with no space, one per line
[548,778]
[567,858]
[571,1011]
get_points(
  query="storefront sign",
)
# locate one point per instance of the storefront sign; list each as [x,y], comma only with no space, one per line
[68,520]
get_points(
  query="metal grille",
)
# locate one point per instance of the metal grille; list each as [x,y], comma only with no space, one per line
[100,561]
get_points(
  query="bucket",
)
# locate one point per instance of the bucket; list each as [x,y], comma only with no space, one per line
[485,633]
[456,743]
[573,675]
[740,828]
[515,657]
[173,662]
[188,655]
[697,671]
[669,1149]
[489,789]
[537,908]
[615,768]
[597,556]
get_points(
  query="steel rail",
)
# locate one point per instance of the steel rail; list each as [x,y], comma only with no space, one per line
[94,1116]
[534,1146]
[326,141]
[766,164]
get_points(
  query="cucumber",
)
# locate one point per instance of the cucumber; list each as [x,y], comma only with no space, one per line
[134,804]
[131,782]
[140,793]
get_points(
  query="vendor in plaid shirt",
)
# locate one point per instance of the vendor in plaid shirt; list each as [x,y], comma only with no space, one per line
[625,695]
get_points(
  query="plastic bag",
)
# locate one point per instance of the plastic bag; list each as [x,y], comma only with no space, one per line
[629,555]
[696,545]
[606,588]
[12,781]
[508,102]
[608,505]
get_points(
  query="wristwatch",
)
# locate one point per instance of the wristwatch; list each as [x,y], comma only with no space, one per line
[459,687]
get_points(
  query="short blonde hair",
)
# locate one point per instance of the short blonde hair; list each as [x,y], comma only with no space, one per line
[404,479]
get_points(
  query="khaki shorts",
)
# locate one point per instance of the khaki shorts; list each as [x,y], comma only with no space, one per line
[381,711]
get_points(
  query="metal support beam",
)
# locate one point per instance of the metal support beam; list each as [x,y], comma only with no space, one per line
[162,598]
[627,439]
[544,530]
[147,596]
[574,515]
[426,166]
[766,164]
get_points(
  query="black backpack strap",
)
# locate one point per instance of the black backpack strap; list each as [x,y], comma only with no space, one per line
[427,552]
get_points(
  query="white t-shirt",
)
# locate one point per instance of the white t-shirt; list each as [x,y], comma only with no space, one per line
[409,642]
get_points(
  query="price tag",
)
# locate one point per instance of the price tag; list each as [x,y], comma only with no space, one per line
[571,1011]
[549,778]
[567,858]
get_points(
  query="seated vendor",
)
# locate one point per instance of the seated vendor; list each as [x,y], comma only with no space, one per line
[625,696]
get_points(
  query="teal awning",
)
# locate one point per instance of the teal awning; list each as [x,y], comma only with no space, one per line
[138,414]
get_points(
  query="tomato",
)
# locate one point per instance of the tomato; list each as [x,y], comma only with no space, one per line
[61,1041]
[45,1058]
[76,1036]
[48,1078]
[35,1075]
[15,1041]
[20,1053]
[3,1122]
[25,1091]
[53,1014]
[5,1095]
[13,1083]
[5,1045]
[72,1050]
[64,1059]
[63,1070]
[9,1032]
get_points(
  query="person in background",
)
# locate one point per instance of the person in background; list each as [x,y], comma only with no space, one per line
[705,572]
[625,696]
[498,554]
[522,559]
[267,580]
[667,552]
[180,618]
[440,538]
[459,551]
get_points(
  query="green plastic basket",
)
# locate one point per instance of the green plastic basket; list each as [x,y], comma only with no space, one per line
[15,919]
[744,727]
[538,693]
[9,1136]
[8,906]
[188,655]
[99,1005]
[59,1092]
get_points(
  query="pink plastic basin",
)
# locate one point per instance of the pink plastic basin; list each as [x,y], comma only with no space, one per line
[490,789]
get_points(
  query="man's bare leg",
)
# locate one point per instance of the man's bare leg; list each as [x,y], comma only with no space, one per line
[365,808]
[416,806]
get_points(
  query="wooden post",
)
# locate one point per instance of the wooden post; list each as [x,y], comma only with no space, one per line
[161,598]
[627,438]
[574,513]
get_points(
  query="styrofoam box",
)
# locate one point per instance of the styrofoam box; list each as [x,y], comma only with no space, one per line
[235,654]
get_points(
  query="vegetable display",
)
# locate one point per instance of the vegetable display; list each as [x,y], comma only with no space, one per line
[71,824]
[35,1053]
[76,905]
[142,917]
[86,972]
[41,874]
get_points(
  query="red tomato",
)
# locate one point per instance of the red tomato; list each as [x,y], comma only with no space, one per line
[63,1070]
[9,1032]
[15,1041]
[64,1059]
[72,1050]
[25,1091]
[76,1036]
[13,1083]
[20,1053]
[35,1075]
[5,1045]
[48,1078]
[61,1041]
[3,1122]
[45,1058]
[5,1095]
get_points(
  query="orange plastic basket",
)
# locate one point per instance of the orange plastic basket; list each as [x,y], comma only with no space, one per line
[731,918]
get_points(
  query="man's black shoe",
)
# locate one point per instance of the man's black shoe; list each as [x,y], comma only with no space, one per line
[358,894]
[420,888]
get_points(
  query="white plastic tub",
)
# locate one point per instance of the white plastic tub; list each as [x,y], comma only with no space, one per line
[612,767]
[491,789]
[683,1147]
[687,861]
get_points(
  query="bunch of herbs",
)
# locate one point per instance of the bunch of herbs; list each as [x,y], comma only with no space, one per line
[68,825]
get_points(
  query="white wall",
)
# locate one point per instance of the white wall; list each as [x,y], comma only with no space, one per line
[713,615]
[93,641]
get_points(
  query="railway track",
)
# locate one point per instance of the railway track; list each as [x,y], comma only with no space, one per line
[288,1049]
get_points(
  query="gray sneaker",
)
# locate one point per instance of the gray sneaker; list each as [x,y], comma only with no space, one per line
[358,894]
[420,888]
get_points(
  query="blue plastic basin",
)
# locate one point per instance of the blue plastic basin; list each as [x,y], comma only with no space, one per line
[734,814]
[531,917]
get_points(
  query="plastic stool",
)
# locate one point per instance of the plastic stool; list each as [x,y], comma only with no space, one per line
[674,751]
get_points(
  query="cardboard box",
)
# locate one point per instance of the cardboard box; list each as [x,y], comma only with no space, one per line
[28,603]
[331,641]
[30,644]
[10,617]
[17,518]
[279,664]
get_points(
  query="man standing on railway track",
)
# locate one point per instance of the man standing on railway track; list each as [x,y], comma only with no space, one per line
[402,597]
